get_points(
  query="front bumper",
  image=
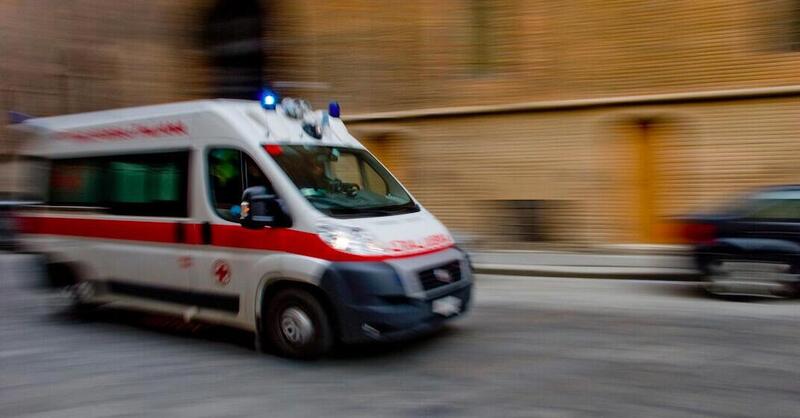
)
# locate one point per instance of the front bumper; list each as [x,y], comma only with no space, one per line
[750,288]
[749,267]
[769,278]
[381,301]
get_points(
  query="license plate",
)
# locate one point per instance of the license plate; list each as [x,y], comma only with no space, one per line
[744,271]
[447,306]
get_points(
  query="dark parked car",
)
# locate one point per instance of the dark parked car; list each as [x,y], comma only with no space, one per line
[752,246]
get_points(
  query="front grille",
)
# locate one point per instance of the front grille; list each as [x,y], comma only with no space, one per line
[441,275]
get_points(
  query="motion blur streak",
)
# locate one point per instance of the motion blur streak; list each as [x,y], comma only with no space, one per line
[651,146]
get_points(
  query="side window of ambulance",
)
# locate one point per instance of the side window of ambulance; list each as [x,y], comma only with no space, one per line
[230,172]
[75,183]
[135,185]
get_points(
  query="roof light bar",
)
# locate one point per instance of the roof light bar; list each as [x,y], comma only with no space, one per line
[333,109]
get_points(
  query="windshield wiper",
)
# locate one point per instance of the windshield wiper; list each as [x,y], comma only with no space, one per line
[410,206]
[377,210]
[328,201]
[355,211]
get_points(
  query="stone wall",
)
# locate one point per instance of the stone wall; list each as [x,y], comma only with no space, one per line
[420,54]
[581,167]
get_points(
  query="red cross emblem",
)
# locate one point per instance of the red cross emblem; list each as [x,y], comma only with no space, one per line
[222,272]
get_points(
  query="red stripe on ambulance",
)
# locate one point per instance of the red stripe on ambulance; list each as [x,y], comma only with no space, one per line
[234,236]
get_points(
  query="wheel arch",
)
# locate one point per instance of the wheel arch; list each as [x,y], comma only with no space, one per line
[63,273]
[271,287]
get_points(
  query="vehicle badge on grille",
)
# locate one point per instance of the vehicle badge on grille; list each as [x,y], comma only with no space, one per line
[442,275]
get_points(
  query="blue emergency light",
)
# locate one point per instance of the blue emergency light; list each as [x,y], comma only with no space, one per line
[333,109]
[269,99]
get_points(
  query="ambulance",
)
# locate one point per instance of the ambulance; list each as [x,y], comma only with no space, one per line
[267,216]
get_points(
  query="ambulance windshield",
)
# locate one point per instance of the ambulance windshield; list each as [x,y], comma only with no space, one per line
[342,182]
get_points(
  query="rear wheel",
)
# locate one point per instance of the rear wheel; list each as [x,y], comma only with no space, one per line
[297,325]
[69,294]
[79,298]
[709,270]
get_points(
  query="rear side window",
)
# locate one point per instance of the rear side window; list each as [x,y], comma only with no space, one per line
[138,185]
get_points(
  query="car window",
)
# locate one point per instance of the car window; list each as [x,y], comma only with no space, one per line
[343,182]
[230,172]
[347,170]
[775,209]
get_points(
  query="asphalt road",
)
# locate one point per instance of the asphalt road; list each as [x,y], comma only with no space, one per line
[531,347]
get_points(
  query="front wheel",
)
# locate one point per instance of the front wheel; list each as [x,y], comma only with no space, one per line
[297,325]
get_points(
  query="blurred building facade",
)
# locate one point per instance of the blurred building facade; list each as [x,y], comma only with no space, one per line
[520,124]
[66,57]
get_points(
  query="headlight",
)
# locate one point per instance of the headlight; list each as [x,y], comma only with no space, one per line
[349,239]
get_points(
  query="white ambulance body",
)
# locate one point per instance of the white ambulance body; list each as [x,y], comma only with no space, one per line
[269,218]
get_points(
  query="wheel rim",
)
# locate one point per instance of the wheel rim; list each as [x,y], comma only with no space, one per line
[296,326]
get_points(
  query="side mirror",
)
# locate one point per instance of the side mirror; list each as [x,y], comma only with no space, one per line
[261,209]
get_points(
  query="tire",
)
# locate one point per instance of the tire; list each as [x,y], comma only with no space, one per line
[297,325]
[707,277]
[79,306]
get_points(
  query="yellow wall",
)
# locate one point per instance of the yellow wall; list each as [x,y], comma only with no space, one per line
[586,163]
[377,56]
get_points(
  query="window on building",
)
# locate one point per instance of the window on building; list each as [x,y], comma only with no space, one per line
[491,27]
[230,172]
[480,14]
[136,185]
[794,29]
[783,21]
[233,40]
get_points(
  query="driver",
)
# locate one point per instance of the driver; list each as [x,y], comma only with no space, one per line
[314,177]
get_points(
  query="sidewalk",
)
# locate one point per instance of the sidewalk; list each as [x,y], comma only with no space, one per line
[622,263]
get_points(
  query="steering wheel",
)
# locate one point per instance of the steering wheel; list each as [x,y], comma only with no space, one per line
[350,189]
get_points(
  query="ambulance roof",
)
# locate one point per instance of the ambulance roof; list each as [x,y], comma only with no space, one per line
[175,123]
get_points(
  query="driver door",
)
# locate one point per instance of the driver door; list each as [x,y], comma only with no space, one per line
[221,274]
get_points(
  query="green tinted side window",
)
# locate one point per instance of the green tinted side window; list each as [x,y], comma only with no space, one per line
[128,182]
[142,183]
[776,209]
[136,185]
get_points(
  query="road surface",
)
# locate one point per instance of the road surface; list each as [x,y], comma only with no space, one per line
[545,347]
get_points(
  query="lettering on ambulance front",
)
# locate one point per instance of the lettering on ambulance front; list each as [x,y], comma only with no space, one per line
[431,242]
